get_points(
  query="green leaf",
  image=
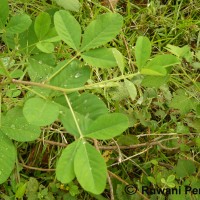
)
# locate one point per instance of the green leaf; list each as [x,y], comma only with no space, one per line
[162,61]
[4,10]
[119,59]
[18,24]
[43,58]
[51,36]
[154,81]
[73,5]
[182,102]
[42,24]
[8,62]
[74,190]
[159,66]
[21,190]
[185,168]
[131,89]
[65,166]
[7,157]
[17,73]
[86,107]
[178,51]
[151,179]
[194,123]
[90,168]
[163,180]
[154,71]
[40,112]
[26,41]
[102,58]
[142,51]
[170,178]
[38,70]
[68,28]
[13,91]
[108,126]
[16,127]
[32,185]
[181,128]
[171,185]
[45,47]
[102,30]
[72,76]
[196,65]
[154,162]
[119,93]
[69,122]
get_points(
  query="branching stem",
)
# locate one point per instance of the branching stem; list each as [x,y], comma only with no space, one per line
[102,84]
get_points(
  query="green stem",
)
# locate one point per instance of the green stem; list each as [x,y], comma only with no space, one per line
[41,85]
[74,116]
[101,84]
[34,92]
[57,72]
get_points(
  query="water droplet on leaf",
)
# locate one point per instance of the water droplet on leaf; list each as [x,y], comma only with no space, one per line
[77,75]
